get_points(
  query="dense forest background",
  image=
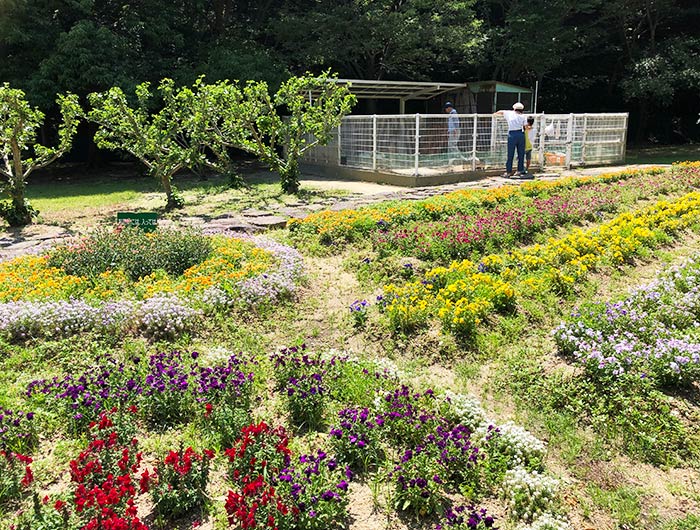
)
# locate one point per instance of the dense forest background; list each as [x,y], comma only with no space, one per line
[641,56]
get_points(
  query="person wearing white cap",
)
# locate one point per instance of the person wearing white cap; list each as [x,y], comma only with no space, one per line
[516,139]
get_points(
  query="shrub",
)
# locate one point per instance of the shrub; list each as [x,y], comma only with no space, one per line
[133,251]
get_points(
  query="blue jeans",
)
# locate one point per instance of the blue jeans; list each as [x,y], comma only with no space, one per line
[516,140]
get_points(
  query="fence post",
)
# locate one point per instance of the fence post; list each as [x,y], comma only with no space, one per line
[417,153]
[569,140]
[623,151]
[374,142]
[476,124]
[543,136]
[339,149]
[585,137]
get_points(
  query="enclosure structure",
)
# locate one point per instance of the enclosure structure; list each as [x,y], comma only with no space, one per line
[489,96]
[413,149]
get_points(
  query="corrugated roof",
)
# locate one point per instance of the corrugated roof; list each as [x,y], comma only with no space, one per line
[368,88]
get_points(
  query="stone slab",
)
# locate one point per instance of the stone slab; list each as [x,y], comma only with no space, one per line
[256,213]
[271,221]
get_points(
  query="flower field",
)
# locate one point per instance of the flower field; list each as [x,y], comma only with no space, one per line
[106,283]
[521,358]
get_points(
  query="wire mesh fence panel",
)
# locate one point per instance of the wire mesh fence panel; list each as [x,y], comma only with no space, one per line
[325,155]
[357,142]
[557,135]
[396,142]
[604,138]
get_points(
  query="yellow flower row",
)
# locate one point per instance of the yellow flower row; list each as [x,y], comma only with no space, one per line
[30,277]
[465,293]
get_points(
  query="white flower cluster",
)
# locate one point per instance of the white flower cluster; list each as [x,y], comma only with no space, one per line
[269,287]
[215,299]
[63,318]
[529,493]
[163,317]
[157,317]
[521,445]
[547,521]
[467,410]
[214,356]
[388,367]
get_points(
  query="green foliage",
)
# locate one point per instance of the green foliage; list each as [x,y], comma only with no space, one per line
[658,76]
[21,153]
[133,251]
[181,483]
[279,129]
[410,39]
[624,503]
[17,213]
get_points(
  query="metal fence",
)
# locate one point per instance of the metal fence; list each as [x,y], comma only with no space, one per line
[419,144]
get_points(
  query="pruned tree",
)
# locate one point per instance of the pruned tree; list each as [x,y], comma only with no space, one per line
[157,139]
[22,154]
[279,129]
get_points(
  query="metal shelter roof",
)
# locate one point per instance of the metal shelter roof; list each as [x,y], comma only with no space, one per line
[403,90]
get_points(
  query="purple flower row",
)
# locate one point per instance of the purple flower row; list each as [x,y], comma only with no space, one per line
[652,333]
[167,386]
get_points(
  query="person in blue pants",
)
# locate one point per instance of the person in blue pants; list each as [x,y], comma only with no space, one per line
[516,140]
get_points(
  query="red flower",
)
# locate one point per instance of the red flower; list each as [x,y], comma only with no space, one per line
[208,408]
[58,505]
[28,477]
[144,482]
[209,453]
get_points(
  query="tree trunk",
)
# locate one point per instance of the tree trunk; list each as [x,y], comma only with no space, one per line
[289,176]
[642,123]
[17,212]
[172,200]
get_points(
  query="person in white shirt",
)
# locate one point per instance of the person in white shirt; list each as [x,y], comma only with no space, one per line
[516,138]
[452,133]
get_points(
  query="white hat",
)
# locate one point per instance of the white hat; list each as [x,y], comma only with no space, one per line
[518,106]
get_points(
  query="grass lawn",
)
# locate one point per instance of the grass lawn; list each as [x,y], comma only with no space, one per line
[667,154]
[75,200]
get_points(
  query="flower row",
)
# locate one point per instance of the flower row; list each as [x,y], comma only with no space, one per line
[349,225]
[511,223]
[466,292]
[651,333]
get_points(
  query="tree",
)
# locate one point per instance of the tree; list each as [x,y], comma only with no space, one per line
[371,39]
[18,127]
[280,129]
[156,139]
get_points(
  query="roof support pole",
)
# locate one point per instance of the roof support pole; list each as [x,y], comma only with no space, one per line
[402,105]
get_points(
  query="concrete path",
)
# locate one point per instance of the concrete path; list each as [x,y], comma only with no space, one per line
[36,239]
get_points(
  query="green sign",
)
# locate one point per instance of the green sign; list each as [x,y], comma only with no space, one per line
[147,221]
